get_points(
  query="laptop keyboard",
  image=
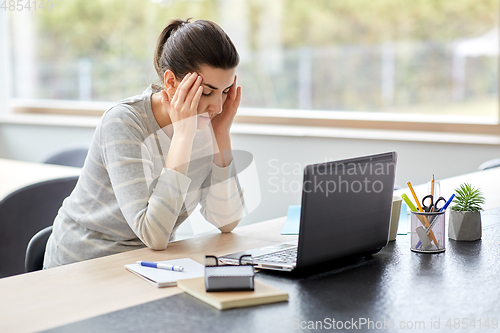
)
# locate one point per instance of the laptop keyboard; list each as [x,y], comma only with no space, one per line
[289,255]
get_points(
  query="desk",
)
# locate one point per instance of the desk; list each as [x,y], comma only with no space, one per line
[17,174]
[395,285]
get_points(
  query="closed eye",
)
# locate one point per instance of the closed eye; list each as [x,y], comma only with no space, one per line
[225,92]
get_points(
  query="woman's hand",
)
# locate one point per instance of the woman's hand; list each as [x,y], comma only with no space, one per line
[182,109]
[221,124]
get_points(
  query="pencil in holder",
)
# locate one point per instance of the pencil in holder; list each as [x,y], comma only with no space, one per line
[428,232]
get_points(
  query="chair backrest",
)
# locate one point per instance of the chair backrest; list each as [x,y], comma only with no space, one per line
[495,163]
[25,212]
[74,157]
[35,252]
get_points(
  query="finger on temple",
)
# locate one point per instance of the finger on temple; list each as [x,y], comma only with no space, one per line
[238,95]
[234,88]
[193,90]
[184,86]
[196,98]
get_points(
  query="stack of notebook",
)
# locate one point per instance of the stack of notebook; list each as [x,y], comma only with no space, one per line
[192,281]
[222,300]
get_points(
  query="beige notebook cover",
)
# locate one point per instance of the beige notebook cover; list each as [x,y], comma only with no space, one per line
[222,300]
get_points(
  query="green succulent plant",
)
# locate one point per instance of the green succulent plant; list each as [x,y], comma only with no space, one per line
[467,199]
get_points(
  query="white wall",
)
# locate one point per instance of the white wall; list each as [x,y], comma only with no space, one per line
[417,161]
[34,143]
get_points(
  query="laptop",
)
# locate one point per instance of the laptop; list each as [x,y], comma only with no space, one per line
[345,211]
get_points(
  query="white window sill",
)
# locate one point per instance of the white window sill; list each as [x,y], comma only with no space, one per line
[277,130]
[49,120]
[366,116]
[365,134]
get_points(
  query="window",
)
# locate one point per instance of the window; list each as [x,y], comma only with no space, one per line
[383,59]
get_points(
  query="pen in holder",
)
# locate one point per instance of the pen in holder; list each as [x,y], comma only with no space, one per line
[229,277]
[422,223]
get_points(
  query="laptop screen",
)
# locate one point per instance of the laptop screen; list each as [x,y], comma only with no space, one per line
[346,208]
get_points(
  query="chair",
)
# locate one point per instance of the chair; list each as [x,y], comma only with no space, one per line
[74,157]
[489,164]
[35,251]
[25,212]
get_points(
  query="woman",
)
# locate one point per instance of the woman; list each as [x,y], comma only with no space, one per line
[155,156]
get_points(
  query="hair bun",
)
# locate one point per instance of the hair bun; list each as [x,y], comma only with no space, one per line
[197,43]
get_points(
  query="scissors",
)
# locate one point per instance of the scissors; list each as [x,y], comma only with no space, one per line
[429,208]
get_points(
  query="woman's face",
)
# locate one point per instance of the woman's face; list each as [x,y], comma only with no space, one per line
[216,84]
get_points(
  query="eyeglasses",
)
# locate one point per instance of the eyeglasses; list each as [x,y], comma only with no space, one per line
[214,261]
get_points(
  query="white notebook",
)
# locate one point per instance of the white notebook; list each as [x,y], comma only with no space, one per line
[164,278]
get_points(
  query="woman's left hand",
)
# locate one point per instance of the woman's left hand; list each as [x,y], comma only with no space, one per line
[221,123]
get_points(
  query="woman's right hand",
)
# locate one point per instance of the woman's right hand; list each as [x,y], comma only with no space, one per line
[183,106]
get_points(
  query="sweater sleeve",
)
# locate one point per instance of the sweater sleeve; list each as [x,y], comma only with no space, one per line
[222,197]
[150,205]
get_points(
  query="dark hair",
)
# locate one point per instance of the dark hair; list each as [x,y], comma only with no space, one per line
[184,46]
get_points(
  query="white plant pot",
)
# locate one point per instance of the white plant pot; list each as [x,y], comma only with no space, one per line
[464,226]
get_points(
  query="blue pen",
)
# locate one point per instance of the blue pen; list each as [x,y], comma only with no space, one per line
[161,266]
[432,223]
[447,202]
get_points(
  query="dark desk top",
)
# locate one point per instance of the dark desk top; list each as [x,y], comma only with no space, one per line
[396,286]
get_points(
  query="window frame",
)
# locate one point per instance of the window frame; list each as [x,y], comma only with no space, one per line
[309,118]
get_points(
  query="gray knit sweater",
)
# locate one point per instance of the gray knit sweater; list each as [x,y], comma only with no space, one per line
[125,199]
